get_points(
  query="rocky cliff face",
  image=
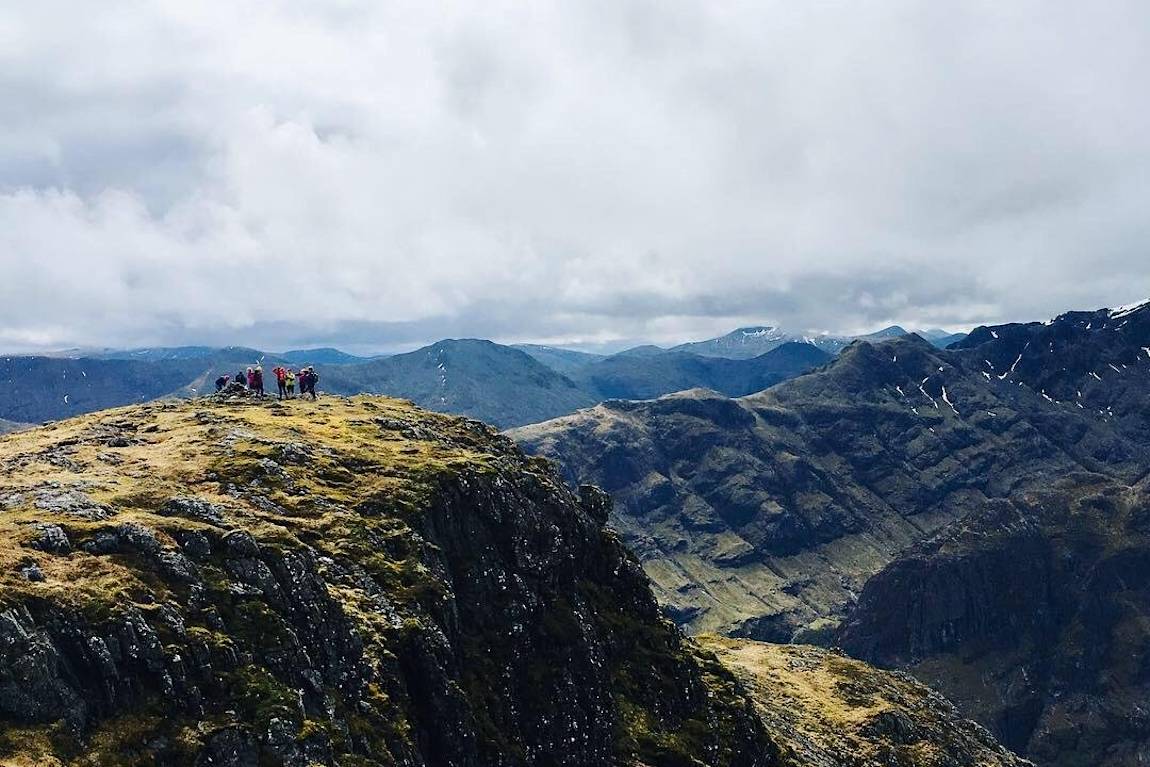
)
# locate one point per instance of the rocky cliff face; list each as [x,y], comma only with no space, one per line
[345,582]
[764,516]
[1034,615]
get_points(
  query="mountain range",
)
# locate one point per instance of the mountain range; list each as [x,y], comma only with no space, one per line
[975,515]
[503,385]
[749,342]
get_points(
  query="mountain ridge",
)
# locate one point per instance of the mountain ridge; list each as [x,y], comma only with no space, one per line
[496,383]
[922,507]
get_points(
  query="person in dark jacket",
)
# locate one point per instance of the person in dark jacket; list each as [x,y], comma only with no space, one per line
[308,379]
[240,378]
[221,382]
[259,380]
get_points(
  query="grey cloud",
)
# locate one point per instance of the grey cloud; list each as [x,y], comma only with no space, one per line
[376,175]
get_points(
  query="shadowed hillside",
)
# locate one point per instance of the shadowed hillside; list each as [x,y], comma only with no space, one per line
[971,514]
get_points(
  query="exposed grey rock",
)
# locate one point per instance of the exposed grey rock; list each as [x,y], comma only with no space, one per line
[294,453]
[137,537]
[240,543]
[194,508]
[50,538]
[32,688]
[31,571]
[70,501]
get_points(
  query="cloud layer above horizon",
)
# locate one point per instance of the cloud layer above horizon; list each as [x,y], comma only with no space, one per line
[377,174]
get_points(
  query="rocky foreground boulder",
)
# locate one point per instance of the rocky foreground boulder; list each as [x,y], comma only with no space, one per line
[235,582]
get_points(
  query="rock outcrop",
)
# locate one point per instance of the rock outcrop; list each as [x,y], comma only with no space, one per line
[232,582]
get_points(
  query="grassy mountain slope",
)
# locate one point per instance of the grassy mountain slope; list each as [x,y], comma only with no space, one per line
[829,710]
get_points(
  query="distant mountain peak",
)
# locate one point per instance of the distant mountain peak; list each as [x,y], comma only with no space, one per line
[891,331]
[755,331]
[1128,309]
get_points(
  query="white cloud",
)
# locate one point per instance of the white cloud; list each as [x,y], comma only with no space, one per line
[384,173]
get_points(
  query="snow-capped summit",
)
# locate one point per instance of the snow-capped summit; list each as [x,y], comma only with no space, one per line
[1128,309]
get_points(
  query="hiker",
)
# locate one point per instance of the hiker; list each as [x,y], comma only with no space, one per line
[251,378]
[259,380]
[303,380]
[221,382]
[240,378]
[289,381]
[281,380]
[307,381]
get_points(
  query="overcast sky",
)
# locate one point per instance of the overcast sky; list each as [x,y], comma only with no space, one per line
[376,175]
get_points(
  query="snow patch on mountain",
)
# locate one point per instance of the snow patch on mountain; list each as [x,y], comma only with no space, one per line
[1128,309]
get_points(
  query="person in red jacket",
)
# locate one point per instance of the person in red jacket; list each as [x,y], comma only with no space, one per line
[281,381]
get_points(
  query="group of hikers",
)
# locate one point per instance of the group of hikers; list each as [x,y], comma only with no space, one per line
[286,380]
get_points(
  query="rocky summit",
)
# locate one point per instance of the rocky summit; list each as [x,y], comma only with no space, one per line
[238,582]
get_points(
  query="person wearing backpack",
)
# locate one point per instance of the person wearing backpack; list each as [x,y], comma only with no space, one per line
[289,382]
[259,380]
